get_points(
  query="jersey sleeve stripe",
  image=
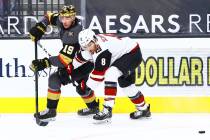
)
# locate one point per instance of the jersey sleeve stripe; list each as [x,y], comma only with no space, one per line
[80,57]
[96,76]
[101,73]
[64,59]
[79,60]
[97,79]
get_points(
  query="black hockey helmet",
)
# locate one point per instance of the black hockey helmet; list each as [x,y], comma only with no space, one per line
[68,11]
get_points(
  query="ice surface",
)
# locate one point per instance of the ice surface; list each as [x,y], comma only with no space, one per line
[69,126]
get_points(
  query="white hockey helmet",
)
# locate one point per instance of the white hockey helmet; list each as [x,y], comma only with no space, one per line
[85,37]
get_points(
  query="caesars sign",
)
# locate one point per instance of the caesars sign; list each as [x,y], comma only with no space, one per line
[116,24]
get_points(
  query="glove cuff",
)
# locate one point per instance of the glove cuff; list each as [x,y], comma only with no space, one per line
[47,62]
[42,27]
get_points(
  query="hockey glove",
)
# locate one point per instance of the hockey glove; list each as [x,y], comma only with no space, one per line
[37,31]
[40,64]
[65,74]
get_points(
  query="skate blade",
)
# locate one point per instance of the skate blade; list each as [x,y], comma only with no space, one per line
[106,121]
[86,116]
[48,120]
[40,123]
[142,118]
[148,117]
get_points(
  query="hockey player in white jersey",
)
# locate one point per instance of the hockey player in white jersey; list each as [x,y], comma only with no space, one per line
[115,60]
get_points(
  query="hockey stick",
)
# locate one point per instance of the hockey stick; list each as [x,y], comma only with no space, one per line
[44,49]
[40,123]
[36,87]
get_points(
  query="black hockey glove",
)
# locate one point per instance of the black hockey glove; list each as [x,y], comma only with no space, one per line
[40,64]
[65,74]
[37,31]
[64,77]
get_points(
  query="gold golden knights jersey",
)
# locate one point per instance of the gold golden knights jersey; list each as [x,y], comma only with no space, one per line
[69,38]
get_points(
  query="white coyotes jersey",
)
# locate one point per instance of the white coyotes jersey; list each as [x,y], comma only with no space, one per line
[116,46]
[110,49]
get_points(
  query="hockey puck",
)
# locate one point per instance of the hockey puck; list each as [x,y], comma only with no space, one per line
[201,132]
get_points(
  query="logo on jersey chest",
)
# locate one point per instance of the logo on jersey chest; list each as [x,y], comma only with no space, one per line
[70,33]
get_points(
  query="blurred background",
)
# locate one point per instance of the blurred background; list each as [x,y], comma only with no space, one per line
[23,8]
[87,9]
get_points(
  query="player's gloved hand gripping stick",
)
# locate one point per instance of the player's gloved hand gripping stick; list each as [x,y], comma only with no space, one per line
[39,65]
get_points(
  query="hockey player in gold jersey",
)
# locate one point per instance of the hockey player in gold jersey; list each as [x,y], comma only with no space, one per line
[69,27]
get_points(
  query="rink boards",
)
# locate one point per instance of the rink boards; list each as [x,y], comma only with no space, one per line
[174,77]
[123,104]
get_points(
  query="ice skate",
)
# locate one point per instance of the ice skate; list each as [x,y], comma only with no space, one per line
[46,115]
[104,116]
[141,113]
[89,111]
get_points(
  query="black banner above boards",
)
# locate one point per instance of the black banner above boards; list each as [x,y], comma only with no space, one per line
[149,18]
[134,18]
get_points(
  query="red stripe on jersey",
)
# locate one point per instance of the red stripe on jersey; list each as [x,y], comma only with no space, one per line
[111,91]
[138,100]
[135,49]
[54,92]
[79,60]
[101,73]
[97,79]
